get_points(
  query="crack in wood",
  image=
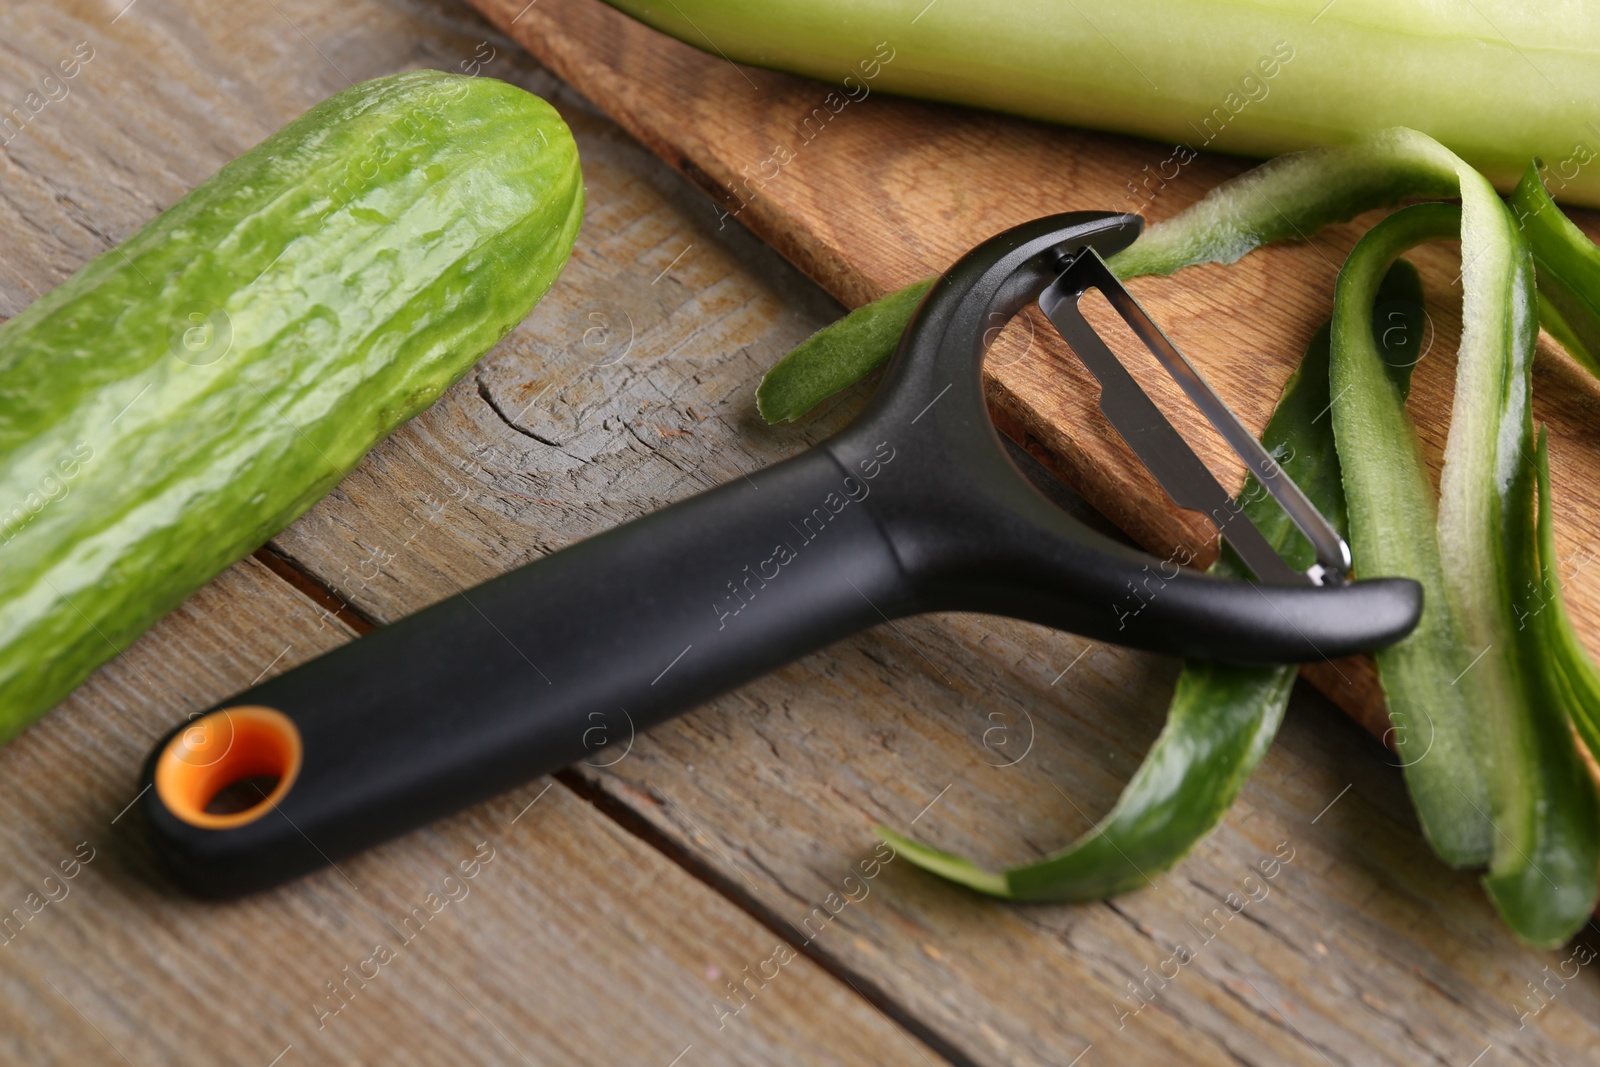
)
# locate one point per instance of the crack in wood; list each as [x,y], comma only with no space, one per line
[494,406]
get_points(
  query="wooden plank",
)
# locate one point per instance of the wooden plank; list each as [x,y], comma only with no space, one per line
[869,194]
[563,939]
[771,792]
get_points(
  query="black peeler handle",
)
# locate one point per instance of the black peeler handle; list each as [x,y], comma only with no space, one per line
[560,660]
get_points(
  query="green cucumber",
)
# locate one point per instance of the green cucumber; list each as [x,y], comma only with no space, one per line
[188,394]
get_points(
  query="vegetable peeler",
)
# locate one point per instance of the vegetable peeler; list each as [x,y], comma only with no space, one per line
[913,507]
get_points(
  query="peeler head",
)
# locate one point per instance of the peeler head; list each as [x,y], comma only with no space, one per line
[974,534]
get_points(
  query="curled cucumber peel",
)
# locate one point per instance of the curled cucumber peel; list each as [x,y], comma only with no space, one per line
[1575,677]
[1489,766]
[1568,267]
[1392,524]
[1555,882]
[1222,718]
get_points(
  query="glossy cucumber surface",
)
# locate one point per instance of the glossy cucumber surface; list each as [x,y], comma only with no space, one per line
[188,394]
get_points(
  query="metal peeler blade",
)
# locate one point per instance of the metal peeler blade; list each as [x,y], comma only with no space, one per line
[1157,442]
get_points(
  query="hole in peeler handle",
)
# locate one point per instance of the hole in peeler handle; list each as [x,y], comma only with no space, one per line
[230,767]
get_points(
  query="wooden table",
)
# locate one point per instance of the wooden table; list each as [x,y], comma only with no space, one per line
[624,903]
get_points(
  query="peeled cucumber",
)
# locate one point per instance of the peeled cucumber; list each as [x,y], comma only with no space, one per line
[1496,81]
[188,394]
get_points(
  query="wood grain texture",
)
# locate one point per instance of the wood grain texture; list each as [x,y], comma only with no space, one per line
[870,194]
[575,943]
[565,923]
[588,945]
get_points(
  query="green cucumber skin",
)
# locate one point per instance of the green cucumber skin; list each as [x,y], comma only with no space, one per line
[362,259]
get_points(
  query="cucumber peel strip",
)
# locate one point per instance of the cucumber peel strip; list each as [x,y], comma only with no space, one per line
[1390,499]
[1564,853]
[1543,852]
[1485,514]
[838,355]
[1575,677]
[1222,718]
[1568,268]
[1482,497]
[1567,265]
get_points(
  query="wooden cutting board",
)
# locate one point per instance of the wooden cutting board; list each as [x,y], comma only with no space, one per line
[867,193]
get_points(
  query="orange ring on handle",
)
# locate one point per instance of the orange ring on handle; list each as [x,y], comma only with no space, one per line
[221,748]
